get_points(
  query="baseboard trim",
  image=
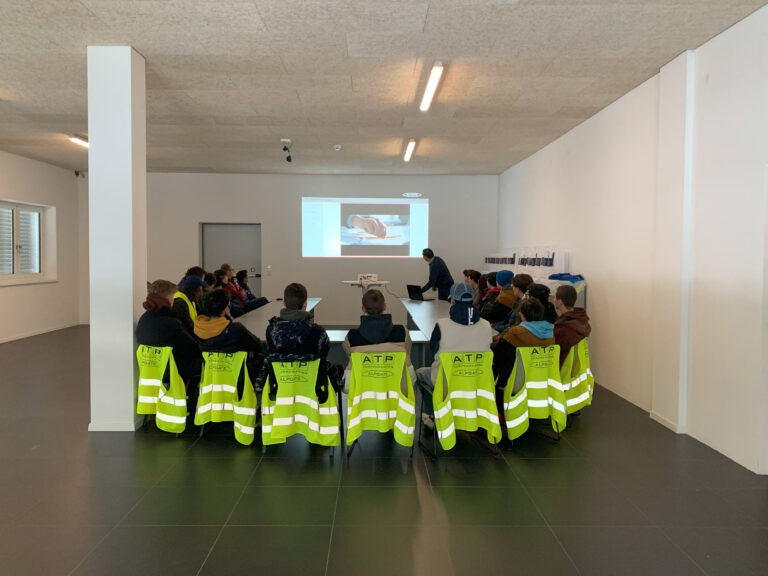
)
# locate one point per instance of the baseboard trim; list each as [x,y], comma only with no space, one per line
[666,422]
[121,426]
[38,332]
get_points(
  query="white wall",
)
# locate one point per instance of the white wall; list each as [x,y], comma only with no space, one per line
[36,308]
[726,396]
[663,200]
[593,192]
[462,229]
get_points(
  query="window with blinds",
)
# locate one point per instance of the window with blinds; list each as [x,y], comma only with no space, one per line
[20,240]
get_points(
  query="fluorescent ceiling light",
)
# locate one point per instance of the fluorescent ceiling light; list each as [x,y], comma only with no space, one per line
[434,80]
[79,140]
[409,150]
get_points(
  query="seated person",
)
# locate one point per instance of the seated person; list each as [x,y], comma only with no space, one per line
[462,331]
[506,299]
[209,281]
[472,277]
[193,271]
[573,323]
[520,285]
[541,293]
[533,330]
[490,295]
[294,336]
[186,302]
[376,333]
[221,278]
[252,301]
[158,327]
[218,333]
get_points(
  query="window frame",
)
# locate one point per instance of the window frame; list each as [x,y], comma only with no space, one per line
[46,228]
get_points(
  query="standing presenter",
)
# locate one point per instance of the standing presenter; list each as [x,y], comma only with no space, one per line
[440,278]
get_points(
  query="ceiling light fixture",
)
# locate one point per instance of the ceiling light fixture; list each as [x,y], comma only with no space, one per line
[434,80]
[79,140]
[409,150]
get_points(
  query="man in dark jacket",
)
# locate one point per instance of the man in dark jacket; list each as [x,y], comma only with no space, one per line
[573,324]
[440,278]
[294,336]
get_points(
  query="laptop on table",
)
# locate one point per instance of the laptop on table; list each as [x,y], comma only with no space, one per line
[414,293]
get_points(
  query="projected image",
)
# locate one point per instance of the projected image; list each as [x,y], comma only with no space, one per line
[333,227]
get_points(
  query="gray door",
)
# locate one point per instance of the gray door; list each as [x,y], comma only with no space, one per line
[236,244]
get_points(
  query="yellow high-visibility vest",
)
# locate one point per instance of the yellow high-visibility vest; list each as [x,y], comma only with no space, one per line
[172,403]
[296,409]
[377,400]
[190,304]
[464,396]
[577,378]
[153,361]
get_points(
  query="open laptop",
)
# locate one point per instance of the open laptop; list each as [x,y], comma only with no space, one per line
[414,293]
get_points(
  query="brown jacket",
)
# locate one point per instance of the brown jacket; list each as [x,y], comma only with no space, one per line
[570,328]
[518,337]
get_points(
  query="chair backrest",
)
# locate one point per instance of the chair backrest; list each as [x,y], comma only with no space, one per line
[219,400]
[576,376]
[534,390]
[381,396]
[295,408]
[464,396]
[153,362]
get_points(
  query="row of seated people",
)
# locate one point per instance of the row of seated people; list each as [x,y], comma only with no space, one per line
[290,336]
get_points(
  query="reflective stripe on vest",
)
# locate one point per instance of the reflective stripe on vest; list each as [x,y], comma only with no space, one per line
[541,396]
[376,398]
[218,401]
[172,404]
[190,305]
[296,409]
[152,364]
[577,377]
[464,396]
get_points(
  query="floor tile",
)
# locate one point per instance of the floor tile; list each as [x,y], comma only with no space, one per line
[586,505]
[385,506]
[234,470]
[485,505]
[753,502]
[184,506]
[286,505]
[253,550]
[150,551]
[49,550]
[725,551]
[297,472]
[628,551]
[571,472]
[470,472]
[400,471]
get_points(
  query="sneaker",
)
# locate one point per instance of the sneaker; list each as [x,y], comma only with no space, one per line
[427,421]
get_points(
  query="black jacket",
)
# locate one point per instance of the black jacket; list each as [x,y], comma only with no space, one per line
[161,328]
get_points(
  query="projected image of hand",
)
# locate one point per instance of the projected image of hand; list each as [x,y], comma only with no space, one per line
[370,224]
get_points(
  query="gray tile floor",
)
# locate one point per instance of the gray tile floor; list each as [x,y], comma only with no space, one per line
[618,495]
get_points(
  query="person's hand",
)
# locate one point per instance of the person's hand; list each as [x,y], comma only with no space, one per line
[369,224]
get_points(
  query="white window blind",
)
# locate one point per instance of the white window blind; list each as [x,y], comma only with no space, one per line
[6,241]
[29,242]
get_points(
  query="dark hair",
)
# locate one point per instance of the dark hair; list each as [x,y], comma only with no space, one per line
[215,302]
[566,294]
[491,279]
[373,302]
[294,296]
[473,275]
[532,310]
[428,253]
[241,274]
[522,282]
[210,279]
[540,292]
[195,271]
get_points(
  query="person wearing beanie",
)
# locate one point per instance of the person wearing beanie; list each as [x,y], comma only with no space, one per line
[462,331]
[158,327]
[440,278]
[505,300]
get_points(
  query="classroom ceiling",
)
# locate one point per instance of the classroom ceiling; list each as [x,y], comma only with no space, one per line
[227,79]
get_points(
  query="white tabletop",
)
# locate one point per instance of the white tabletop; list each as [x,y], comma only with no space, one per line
[426,313]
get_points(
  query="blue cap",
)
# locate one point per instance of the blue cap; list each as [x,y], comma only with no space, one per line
[462,292]
[504,277]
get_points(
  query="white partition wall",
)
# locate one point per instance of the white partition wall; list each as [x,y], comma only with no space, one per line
[117,222]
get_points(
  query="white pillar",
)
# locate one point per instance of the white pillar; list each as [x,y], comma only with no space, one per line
[672,268]
[117,169]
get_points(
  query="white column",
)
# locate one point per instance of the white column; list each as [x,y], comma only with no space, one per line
[118,228]
[673,235]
